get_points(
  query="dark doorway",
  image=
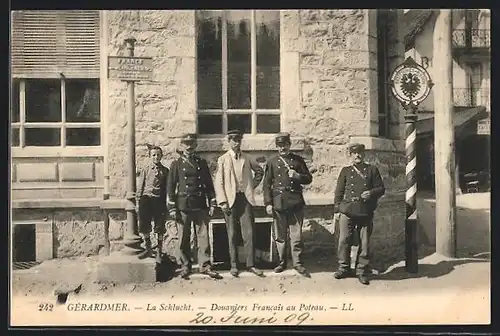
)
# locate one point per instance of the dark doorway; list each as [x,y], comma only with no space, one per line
[24,243]
[262,245]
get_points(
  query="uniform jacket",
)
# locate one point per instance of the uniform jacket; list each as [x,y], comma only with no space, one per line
[350,185]
[281,191]
[189,184]
[153,181]
[225,179]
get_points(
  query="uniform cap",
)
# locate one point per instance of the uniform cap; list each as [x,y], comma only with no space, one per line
[189,137]
[356,148]
[234,132]
[282,138]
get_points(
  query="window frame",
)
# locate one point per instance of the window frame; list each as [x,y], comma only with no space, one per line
[62,125]
[61,150]
[225,111]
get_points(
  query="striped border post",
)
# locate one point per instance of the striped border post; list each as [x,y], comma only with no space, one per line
[411,245]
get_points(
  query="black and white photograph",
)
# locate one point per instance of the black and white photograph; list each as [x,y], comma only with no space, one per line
[252,167]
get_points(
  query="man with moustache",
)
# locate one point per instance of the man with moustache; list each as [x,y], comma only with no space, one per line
[359,186]
[191,199]
[234,189]
[285,175]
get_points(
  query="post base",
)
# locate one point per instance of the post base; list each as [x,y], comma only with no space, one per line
[125,269]
[132,245]
[411,248]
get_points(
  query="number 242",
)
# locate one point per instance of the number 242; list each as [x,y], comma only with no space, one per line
[45,307]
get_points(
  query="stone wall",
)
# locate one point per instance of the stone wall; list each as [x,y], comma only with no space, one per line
[329,87]
[166,106]
[80,232]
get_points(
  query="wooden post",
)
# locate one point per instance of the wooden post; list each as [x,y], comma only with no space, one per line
[444,148]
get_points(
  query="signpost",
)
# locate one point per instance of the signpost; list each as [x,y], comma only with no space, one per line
[130,69]
[411,84]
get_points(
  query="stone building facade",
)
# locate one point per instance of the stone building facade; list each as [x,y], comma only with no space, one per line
[331,64]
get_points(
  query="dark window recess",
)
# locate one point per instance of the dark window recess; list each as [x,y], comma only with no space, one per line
[209,60]
[42,137]
[14,107]
[210,124]
[82,100]
[15,137]
[24,243]
[43,100]
[268,123]
[220,248]
[383,71]
[83,137]
[268,55]
[238,59]
[242,122]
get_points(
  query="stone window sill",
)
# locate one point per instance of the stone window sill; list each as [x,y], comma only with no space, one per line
[261,142]
[379,144]
[27,152]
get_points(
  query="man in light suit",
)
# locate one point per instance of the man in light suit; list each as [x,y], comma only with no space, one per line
[234,190]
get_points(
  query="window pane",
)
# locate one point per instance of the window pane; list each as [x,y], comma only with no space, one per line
[209,26]
[210,124]
[83,137]
[268,59]
[43,100]
[243,122]
[42,136]
[82,100]
[268,123]
[238,54]
[14,137]
[14,108]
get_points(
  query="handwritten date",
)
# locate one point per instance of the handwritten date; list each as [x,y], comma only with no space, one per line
[238,318]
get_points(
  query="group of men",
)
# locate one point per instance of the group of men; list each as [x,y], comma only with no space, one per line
[189,195]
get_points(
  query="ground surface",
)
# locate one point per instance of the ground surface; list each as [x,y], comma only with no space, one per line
[468,273]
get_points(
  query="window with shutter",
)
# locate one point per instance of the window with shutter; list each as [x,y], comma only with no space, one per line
[55,58]
[46,44]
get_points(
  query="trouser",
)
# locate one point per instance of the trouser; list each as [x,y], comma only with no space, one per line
[355,231]
[240,223]
[200,219]
[289,221]
[152,209]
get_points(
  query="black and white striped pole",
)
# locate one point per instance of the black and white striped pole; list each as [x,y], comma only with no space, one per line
[411,242]
[411,84]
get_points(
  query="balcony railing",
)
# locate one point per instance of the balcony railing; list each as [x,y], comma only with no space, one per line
[471,97]
[472,38]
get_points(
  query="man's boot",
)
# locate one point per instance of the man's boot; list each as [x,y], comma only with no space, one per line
[148,251]
[159,248]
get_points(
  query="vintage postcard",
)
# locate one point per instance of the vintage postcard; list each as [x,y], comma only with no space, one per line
[250,167]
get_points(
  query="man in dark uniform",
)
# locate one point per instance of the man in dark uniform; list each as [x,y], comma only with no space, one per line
[359,186]
[284,176]
[191,199]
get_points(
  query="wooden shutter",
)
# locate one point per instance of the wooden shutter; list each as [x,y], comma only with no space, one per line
[46,44]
